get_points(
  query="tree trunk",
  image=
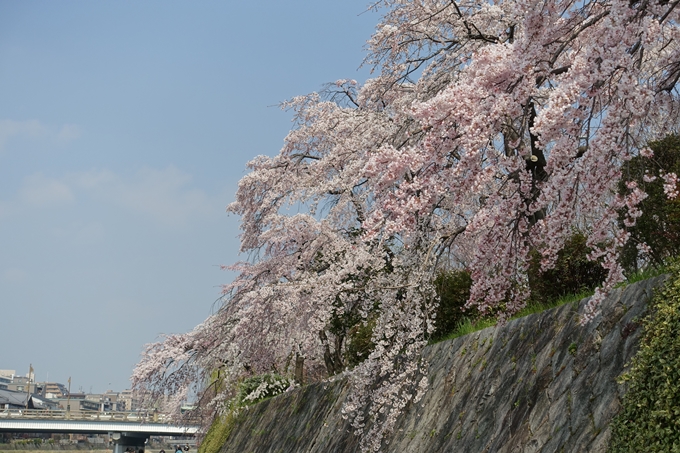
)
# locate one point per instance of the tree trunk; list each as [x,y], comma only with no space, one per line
[299,368]
[332,359]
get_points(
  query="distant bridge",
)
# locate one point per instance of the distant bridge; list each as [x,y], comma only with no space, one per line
[126,429]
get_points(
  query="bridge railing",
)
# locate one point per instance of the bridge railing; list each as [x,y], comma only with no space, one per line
[61,414]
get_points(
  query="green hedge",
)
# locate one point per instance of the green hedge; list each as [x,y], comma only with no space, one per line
[650,418]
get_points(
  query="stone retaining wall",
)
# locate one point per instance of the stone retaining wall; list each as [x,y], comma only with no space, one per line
[541,383]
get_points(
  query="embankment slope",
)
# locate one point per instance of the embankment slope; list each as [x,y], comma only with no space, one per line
[542,383]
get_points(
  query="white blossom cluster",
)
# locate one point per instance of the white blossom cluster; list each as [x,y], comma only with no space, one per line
[268,385]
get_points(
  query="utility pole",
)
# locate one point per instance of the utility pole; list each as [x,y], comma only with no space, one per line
[28,386]
[68,400]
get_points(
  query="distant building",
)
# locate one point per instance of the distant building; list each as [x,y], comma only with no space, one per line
[56,395]
[8,373]
[109,401]
[10,399]
[130,399]
[21,384]
[78,404]
[54,390]
[42,403]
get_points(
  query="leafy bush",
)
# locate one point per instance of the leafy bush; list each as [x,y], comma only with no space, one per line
[650,418]
[659,225]
[573,272]
[453,291]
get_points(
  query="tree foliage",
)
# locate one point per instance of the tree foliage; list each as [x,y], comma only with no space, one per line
[656,234]
[491,130]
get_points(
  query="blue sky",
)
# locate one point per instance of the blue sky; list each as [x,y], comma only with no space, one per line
[124,129]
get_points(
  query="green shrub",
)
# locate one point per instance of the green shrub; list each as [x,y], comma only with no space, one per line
[573,272]
[659,225]
[650,418]
[453,291]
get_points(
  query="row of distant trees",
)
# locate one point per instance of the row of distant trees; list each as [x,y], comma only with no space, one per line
[500,152]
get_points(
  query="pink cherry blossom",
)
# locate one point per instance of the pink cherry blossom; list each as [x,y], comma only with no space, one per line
[490,129]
